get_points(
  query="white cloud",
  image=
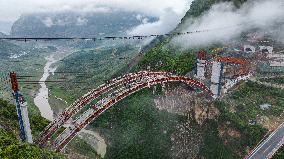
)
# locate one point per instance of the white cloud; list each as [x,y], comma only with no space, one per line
[82,21]
[166,23]
[48,22]
[261,14]
[139,17]
[12,9]
[145,20]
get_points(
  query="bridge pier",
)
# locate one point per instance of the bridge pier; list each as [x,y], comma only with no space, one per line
[217,69]
[22,111]
[201,63]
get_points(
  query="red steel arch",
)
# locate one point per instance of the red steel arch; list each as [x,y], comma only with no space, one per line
[244,70]
[88,98]
[66,136]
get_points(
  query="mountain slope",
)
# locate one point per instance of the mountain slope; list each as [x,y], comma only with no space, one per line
[2,35]
[10,146]
[7,49]
[69,24]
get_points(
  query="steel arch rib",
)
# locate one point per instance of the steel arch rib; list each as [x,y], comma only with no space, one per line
[66,136]
[87,99]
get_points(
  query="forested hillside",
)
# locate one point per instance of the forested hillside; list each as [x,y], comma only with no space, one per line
[7,49]
[145,124]
[10,146]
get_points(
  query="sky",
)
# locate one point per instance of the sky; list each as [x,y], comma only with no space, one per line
[11,10]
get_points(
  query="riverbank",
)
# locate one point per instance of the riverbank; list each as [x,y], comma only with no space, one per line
[51,105]
[42,97]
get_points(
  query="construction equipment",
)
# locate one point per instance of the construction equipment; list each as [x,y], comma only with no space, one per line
[22,110]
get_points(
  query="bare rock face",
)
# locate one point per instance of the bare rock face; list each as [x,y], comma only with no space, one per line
[226,130]
[202,111]
[181,101]
[186,141]
[177,100]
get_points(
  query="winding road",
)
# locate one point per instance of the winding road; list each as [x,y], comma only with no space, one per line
[270,145]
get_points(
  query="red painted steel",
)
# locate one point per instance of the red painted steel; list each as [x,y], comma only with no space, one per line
[60,144]
[87,99]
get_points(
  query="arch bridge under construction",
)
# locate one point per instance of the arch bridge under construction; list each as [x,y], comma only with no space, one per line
[102,98]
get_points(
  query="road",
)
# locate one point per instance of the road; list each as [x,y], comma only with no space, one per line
[278,86]
[269,146]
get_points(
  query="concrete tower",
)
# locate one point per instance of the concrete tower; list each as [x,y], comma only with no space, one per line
[217,69]
[201,62]
[22,111]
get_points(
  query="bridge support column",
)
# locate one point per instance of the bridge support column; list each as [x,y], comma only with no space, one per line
[201,63]
[200,69]
[22,111]
[154,90]
[217,69]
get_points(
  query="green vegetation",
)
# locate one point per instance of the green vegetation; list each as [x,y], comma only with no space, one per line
[279,154]
[198,7]
[8,116]
[251,133]
[10,146]
[214,146]
[81,147]
[163,58]
[93,67]
[246,101]
[251,95]
[30,64]
[7,48]
[135,128]
[276,80]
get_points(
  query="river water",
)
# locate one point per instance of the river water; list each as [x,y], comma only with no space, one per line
[41,99]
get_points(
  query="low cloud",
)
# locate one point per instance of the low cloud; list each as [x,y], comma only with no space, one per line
[48,22]
[150,8]
[167,22]
[226,22]
[82,21]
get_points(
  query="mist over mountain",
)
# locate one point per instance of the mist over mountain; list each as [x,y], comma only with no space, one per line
[5,26]
[2,35]
[72,24]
